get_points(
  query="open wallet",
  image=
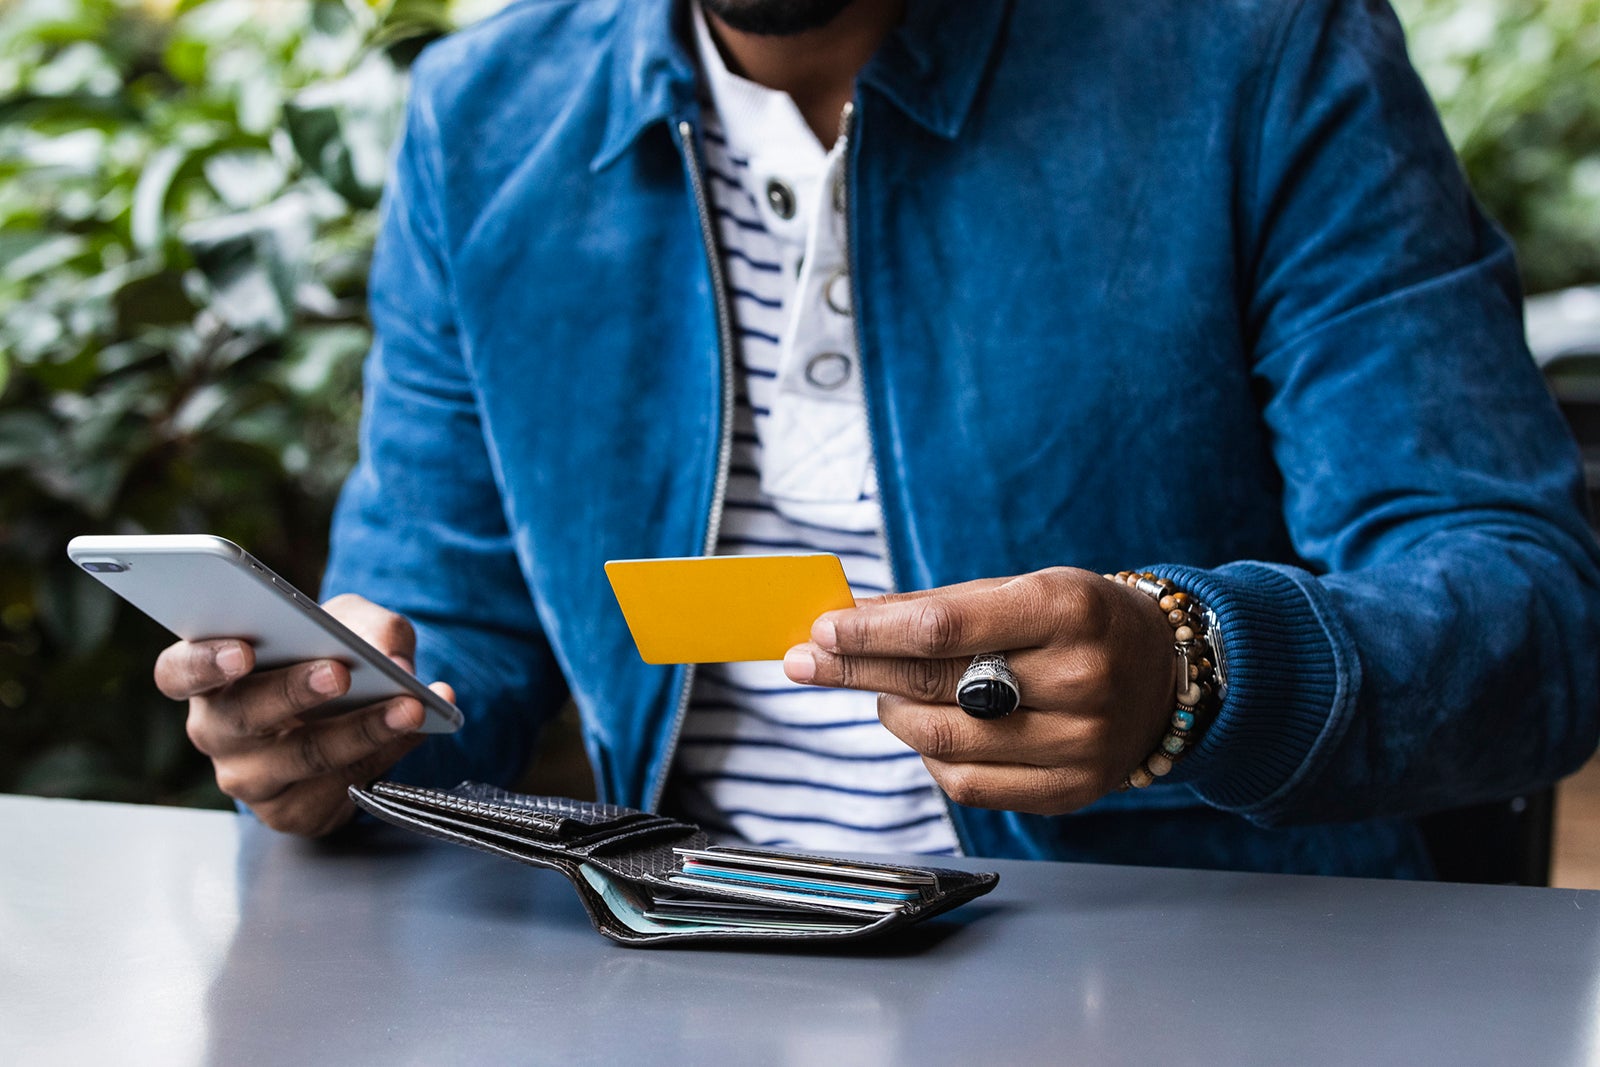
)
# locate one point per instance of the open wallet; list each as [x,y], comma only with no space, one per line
[650,879]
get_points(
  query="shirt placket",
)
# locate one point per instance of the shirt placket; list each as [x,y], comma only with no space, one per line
[817,451]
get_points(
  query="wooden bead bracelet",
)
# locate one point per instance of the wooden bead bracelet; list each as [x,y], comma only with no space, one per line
[1199,676]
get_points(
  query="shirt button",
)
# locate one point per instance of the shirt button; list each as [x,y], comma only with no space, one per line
[828,370]
[781,199]
[837,292]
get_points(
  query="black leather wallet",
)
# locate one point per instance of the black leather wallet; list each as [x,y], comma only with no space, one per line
[650,879]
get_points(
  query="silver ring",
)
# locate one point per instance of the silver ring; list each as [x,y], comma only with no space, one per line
[988,689]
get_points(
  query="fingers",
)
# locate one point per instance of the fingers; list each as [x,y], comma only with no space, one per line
[192,668]
[1092,658]
[1071,679]
[948,734]
[336,747]
[964,620]
[308,809]
[389,633]
[1012,787]
[1037,764]
[260,705]
[932,681]
[975,585]
[318,806]
[291,771]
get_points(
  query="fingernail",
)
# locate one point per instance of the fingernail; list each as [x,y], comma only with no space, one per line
[799,664]
[823,633]
[323,681]
[231,660]
[398,717]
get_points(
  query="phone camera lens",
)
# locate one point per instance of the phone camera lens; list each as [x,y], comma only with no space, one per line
[103,566]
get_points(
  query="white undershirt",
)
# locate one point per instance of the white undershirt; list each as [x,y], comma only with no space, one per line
[760,758]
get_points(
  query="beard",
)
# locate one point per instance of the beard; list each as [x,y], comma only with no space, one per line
[775,18]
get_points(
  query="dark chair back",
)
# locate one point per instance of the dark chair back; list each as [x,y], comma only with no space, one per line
[1503,843]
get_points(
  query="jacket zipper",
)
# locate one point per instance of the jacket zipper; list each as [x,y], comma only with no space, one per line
[846,128]
[719,490]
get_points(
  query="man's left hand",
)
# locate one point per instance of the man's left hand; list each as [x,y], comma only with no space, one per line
[1093,659]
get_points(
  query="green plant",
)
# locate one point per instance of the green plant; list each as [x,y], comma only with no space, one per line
[186,216]
[1517,83]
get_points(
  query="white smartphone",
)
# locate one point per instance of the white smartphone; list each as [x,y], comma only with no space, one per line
[202,587]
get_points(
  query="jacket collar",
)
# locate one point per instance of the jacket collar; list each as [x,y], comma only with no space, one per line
[930,67]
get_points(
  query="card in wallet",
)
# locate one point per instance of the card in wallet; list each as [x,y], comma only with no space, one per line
[654,880]
[724,609]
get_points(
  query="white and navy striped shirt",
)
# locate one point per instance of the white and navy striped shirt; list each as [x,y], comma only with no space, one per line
[761,758]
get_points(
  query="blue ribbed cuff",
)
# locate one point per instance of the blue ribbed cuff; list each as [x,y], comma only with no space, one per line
[1292,676]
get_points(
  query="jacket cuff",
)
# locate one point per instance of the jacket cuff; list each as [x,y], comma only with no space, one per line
[1291,674]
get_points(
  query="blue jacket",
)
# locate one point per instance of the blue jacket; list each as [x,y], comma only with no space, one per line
[1193,286]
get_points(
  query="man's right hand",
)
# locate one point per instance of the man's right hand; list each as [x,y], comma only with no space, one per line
[294,773]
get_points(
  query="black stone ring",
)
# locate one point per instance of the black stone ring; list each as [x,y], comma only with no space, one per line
[988,689]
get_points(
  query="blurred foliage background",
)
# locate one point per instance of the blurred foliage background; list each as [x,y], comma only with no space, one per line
[187,194]
[1517,83]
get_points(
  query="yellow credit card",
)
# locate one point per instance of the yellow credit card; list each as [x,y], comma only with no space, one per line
[724,609]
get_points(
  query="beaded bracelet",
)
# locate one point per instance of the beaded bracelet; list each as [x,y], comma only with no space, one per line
[1200,677]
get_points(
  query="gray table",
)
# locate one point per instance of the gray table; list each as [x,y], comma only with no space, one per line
[142,935]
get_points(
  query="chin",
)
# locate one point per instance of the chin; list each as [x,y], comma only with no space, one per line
[776,18]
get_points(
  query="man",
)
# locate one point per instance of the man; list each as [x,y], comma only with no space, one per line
[1058,290]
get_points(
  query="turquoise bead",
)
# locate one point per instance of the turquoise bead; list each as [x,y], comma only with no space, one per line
[1183,720]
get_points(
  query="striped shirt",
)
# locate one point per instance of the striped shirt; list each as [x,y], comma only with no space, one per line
[760,758]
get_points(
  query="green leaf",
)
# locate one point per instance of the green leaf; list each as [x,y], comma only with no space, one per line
[331,17]
[343,130]
[251,262]
[408,24]
[200,408]
[19,240]
[65,114]
[71,372]
[147,223]
[185,59]
[47,253]
[245,179]
[34,334]
[319,355]
[153,298]
[26,438]
[81,67]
